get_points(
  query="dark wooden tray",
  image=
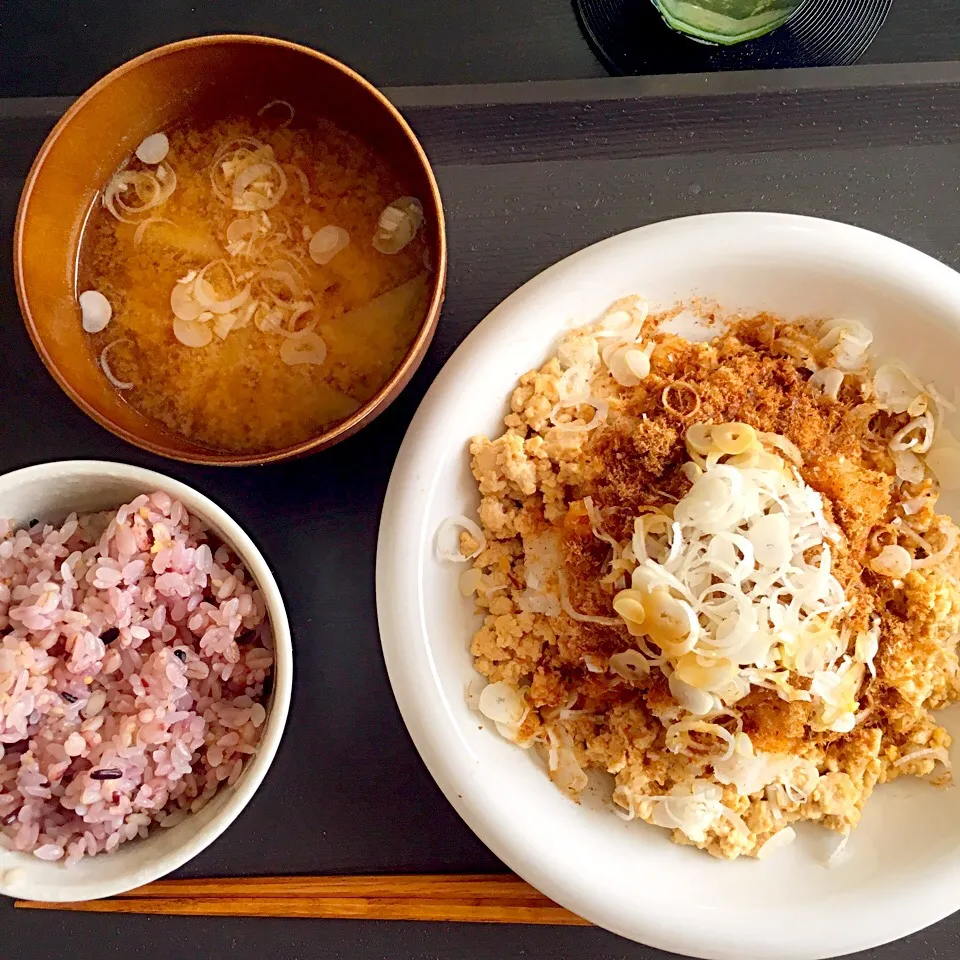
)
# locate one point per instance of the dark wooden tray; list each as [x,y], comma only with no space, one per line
[529,173]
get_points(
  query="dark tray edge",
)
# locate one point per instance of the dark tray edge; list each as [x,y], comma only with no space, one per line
[613,88]
[680,85]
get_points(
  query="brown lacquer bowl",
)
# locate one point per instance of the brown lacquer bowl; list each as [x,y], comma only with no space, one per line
[184,80]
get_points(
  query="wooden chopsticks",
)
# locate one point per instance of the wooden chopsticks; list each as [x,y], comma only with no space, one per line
[480,898]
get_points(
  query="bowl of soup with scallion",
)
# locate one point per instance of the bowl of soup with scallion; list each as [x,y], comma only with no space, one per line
[231,250]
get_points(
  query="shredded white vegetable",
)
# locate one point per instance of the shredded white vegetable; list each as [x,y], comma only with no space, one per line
[839,853]
[693,808]
[892,561]
[737,587]
[828,381]
[937,753]
[306,347]
[142,228]
[909,466]
[153,149]
[848,340]
[935,557]
[502,703]
[192,333]
[284,105]
[327,242]
[601,410]
[630,665]
[451,526]
[105,365]
[95,310]
[917,435]
[398,225]
[782,838]
[205,294]
[152,188]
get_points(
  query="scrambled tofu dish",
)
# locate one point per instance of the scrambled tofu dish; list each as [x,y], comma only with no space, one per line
[716,572]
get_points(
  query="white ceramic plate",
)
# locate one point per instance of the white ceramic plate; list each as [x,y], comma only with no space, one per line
[902,870]
[49,492]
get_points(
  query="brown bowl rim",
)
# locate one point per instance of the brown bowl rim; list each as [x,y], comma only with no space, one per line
[340,431]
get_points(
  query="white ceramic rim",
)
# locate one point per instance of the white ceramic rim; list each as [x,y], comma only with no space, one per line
[402,545]
[252,776]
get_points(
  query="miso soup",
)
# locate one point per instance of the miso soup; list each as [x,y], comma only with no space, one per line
[250,282]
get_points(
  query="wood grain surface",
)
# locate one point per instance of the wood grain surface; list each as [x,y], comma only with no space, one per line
[458,898]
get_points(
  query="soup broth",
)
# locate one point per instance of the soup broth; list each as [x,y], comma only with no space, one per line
[257,283]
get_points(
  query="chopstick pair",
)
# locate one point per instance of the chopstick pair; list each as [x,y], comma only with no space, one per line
[472,898]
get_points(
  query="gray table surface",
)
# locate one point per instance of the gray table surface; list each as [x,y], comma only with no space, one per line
[348,792]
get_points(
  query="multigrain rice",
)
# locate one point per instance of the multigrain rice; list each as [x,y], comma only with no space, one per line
[133,657]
